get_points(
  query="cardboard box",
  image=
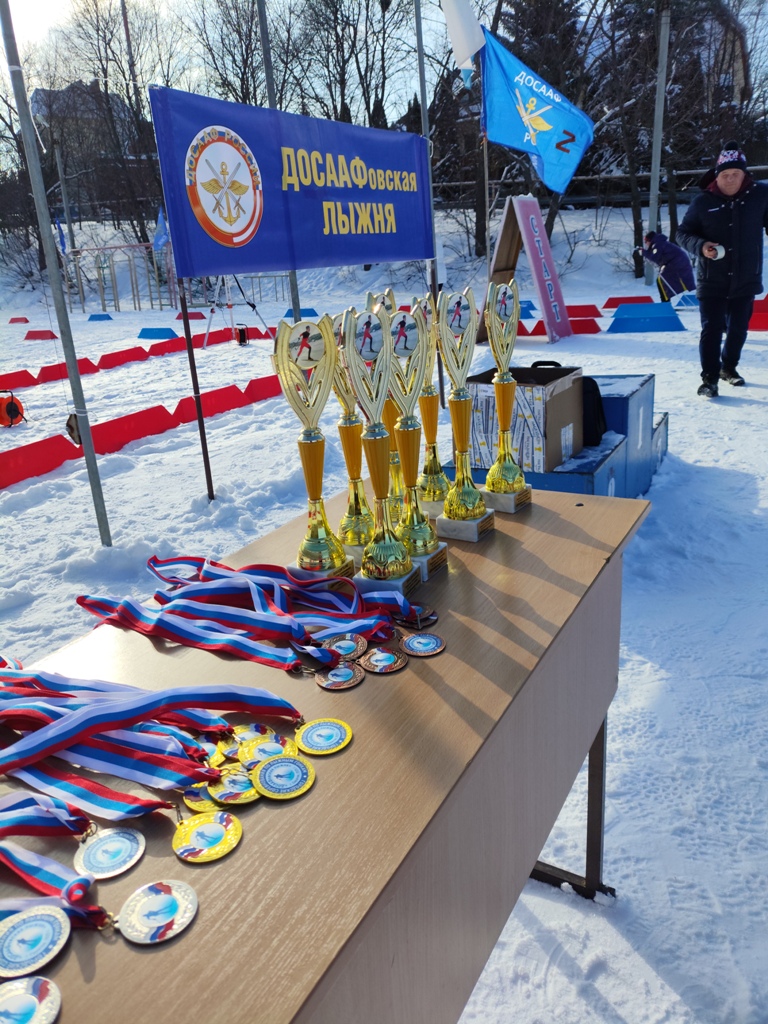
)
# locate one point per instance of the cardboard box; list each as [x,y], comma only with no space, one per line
[547,420]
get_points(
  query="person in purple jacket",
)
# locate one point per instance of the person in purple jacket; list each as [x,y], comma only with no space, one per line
[674,263]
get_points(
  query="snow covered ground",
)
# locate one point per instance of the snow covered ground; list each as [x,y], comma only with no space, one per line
[687,791]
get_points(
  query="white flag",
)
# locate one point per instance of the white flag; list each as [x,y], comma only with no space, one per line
[464,30]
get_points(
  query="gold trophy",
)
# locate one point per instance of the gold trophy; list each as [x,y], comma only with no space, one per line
[305,359]
[465,516]
[356,526]
[396,487]
[385,299]
[505,486]
[366,352]
[433,484]
[411,343]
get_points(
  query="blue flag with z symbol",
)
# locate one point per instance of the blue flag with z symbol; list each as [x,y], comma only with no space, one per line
[523,112]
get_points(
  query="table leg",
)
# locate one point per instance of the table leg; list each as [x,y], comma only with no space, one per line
[591,882]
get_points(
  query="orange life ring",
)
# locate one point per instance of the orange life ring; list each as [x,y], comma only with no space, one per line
[11,410]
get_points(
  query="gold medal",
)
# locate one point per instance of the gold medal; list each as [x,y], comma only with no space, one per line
[284,777]
[197,798]
[323,736]
[253,752]
[208,836]
[234,787]
[227,746]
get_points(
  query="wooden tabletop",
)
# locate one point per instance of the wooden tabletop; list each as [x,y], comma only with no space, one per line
[276,912]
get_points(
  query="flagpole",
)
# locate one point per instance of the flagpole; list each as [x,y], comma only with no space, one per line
[54,278]
[431,264]
[266,56]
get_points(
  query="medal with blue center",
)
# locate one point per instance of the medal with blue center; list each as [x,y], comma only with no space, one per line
[343,677]
[197,798]
[109,852]
[30,939]
[234,787]
[156,912]
[382,660]
[283,777]
[422,645]
[323,736]
[253,752]
[207,836]
[423,616]
[29,1001]
[348,646]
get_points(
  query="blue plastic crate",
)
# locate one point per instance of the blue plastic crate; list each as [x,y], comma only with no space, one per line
[628,406]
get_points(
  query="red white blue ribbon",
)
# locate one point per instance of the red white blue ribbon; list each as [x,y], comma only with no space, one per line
[90,795]
[43,874]
[28,814]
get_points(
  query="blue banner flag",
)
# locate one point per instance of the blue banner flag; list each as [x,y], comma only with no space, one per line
[521,111]
[252,189]
[62,241]
[161,238]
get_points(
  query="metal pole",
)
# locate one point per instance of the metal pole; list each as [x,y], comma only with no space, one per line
[431,264]
[658,129]
[266,54]
[64,195]
[195,388]
[54,278]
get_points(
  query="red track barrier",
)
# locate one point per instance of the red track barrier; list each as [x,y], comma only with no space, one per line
[40,336]
[58,371]
[35,458]
[619,300]
[164,348]
[262,388]
[109,360]
[19,320]
[585,326]
[582,312]
[194,314]
[17,379]
[115,434]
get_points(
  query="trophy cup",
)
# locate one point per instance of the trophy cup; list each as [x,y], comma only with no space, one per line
[356,526]
[505,486]
[465,516]
[305,359]
[396,487]
[411,343]
[366,352]
[433,484]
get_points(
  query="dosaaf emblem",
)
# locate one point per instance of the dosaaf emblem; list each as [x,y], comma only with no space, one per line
[224,186]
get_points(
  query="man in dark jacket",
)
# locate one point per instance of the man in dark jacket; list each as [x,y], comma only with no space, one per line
[674,263]
[724,229]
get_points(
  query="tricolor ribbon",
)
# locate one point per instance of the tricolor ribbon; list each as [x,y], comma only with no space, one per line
[27,814]
[125,711]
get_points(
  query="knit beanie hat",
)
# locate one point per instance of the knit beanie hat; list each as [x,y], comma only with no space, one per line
[731,156]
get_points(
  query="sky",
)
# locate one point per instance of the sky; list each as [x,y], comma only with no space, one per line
[31,21]
[687,775]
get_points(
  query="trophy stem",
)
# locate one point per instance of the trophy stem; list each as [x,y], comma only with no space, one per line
[464,500]
[321,550]
[414,528]
[505,476]
[356,526]
[357,523]
[385,557]
[433,484]
[396,486]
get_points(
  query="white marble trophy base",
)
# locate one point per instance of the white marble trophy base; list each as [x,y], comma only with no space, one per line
[347,569]
[465,529]
[428,565]
[433,509]
[405,585]
[355,552]
[509,503]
